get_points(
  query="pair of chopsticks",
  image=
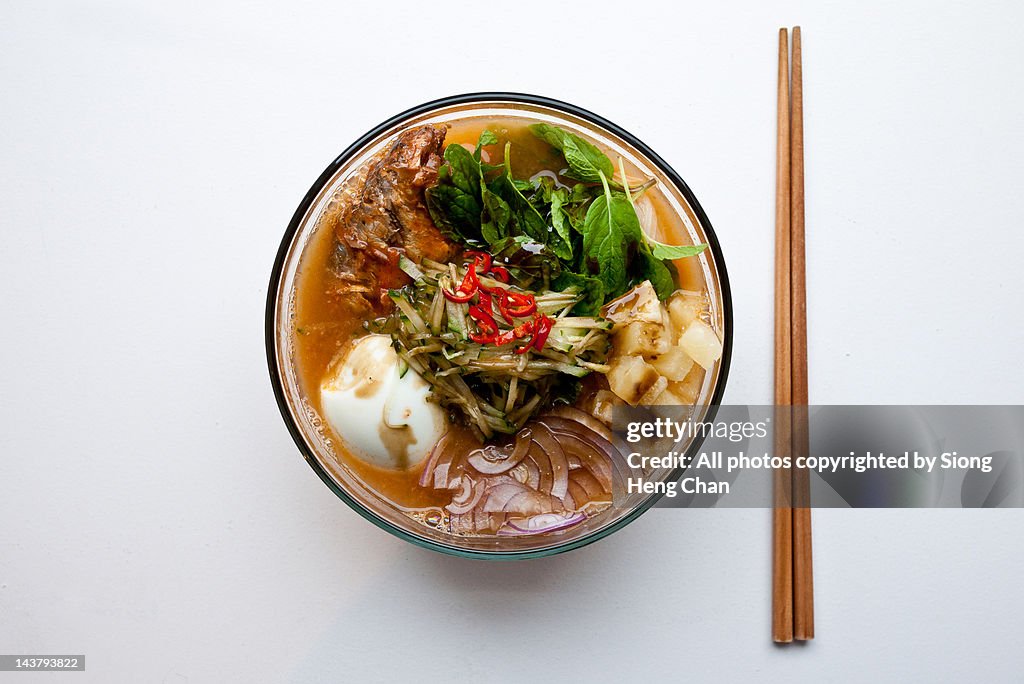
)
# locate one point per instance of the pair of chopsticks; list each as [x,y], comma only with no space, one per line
[792,576]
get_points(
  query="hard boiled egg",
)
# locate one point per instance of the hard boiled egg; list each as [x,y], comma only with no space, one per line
[382,416]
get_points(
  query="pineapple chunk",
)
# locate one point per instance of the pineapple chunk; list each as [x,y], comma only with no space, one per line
[684,308]
[701,343]
[687,390]
[671,333]
[673,364]
[602,405]
[639,304]
[641,338]
[631,378]
[650,397]
[672,396]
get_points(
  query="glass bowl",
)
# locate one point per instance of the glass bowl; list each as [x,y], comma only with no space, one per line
[308,428]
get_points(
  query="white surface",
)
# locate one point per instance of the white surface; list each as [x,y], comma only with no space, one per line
[155,514]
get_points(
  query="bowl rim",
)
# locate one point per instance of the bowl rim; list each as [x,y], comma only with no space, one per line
[325,177]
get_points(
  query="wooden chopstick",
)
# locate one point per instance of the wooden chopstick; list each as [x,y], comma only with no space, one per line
[803,578]
[782,516]
[792,578]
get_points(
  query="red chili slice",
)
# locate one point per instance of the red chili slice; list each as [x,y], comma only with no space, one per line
[516,333]
[481,260]
[482,317]
[485,323]
[485,300]
[542,330]
[470,283]
[458,297]
[516,304]
[500,273]
[502,309]
[467,289]
[510,304]
[524,310]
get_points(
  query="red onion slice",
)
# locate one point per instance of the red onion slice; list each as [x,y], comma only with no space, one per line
[589,421]
[560,466]
[491,460]
[556,457]
[540,459]
[579,495]
[529,502]
[606,460]
[530,473]
[592,455]
[499,495]
[590,485]
[467,497]
[577,417]
[427,474]
[475,522]
[539,524]
[439,476]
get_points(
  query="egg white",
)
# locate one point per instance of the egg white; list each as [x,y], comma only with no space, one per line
[382,416]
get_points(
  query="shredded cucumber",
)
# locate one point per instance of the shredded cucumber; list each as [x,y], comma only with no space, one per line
[494,388]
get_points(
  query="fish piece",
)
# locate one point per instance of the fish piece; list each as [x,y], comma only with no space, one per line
[388,217]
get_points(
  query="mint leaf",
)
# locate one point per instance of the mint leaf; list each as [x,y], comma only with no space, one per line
[455,213]
[462,169]
[496,215]
[603,248]
[663,251]
[586,162]
[552,135]
[486,138]
[660,273]
[610,231]
[559,220]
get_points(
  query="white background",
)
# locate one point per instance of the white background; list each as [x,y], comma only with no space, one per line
[154,512]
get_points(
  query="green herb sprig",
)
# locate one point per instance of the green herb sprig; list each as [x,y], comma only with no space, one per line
[586,235]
